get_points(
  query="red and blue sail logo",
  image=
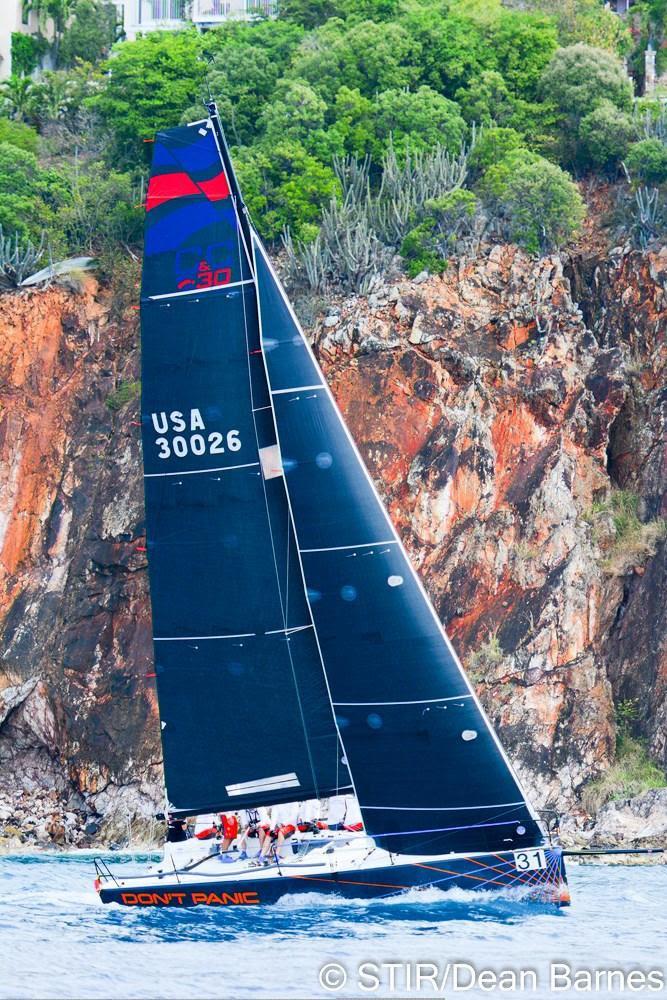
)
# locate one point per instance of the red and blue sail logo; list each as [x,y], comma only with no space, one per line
[166,187]
[207,277]
[192,239]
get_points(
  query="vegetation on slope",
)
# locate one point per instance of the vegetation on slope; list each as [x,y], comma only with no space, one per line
[632,773]
[327,81]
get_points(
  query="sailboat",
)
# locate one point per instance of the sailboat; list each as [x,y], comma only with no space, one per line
[297,654]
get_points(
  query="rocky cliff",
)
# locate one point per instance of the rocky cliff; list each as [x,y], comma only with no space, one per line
[512,414]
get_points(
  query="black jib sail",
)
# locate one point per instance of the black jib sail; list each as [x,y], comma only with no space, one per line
[428,770]
[246,717]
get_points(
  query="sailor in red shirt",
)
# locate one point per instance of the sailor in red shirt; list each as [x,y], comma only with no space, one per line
[227,828]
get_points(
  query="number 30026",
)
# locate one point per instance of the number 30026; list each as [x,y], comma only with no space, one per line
[214,443]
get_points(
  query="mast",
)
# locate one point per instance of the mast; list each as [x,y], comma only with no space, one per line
[241,209]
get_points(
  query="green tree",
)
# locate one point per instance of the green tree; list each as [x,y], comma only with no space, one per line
[353,129]
[522,44]
[486,99]
[16,97]
[90,34]
[309,13]
[537,203]
[368,10]
[367,56]
[417,121]
[454,50]
[29,195]
[284,186]
[578,80]
[647,160]
[296,112]
[587,21]
[150,82]
[242,79]
[604,137]
[579,77]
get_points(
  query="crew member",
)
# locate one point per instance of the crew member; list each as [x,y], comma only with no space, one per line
[229,829]
[284,819]
[255,823]
[310,816]
[344,814]
[176,829]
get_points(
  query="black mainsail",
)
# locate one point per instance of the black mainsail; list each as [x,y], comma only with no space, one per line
[281,592]
[245,712]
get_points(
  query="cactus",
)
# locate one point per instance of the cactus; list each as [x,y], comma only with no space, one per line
[17,259]
[361,231]
[647,215]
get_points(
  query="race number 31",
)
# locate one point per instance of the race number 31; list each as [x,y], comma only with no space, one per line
[529,861]
[182,434]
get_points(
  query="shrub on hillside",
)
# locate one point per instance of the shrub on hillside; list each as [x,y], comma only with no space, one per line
[647,160]
[492,145]
[448,220]
[417,121]
[578,80]
[18,134]
[284,187]
[535,203]
[604,137]
[29,194]
[102,212]
[579,77]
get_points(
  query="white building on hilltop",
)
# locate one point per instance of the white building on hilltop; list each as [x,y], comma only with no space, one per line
[136,16]
[13,18]
[152,15]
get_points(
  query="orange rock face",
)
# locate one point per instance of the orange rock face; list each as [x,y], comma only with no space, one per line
[494,406]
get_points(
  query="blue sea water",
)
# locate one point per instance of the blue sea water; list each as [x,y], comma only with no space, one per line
[57,940]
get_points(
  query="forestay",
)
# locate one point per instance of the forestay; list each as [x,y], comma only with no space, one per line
[244,709]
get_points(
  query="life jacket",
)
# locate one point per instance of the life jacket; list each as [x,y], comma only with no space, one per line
[207,834]
[230,826]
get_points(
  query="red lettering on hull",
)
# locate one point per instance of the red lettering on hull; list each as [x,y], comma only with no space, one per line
[193,898]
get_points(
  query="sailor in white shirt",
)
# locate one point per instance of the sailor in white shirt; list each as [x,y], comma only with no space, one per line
[310,816]
[344,814]
[255,824]
[284,819]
